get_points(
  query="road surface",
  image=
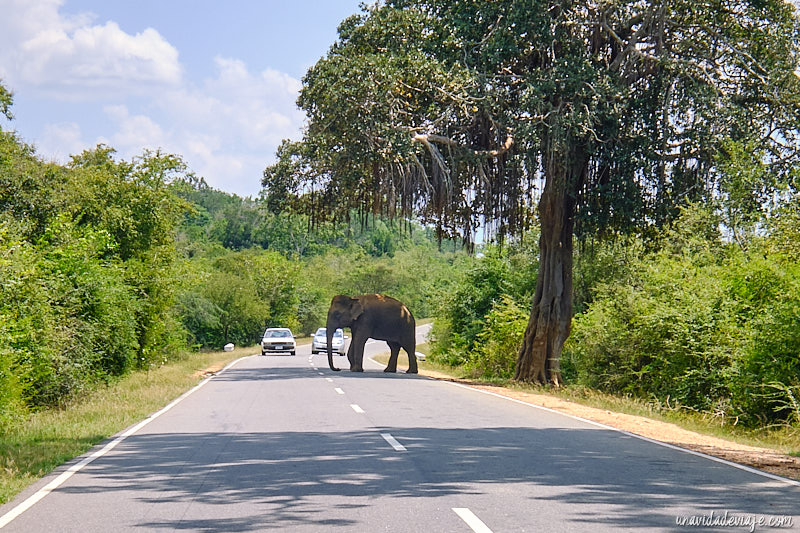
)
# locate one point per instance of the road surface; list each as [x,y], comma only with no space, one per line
[282,443]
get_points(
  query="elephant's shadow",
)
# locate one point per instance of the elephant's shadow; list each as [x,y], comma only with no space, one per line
[237,374]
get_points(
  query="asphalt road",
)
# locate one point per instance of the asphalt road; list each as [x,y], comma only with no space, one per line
[283,443]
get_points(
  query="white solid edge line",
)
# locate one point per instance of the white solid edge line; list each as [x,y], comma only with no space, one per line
[393,442]
[640,437]
[77,467]
[471,520]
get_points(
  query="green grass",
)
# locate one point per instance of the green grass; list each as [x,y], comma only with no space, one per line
[35,446]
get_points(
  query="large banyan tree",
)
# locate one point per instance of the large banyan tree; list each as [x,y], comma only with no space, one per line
[583,115]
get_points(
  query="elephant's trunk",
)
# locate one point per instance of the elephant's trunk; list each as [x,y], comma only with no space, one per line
[329,335]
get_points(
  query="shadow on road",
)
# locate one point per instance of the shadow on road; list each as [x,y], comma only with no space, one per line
[285,478]
[237,374]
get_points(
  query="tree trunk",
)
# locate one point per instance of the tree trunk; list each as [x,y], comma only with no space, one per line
[539,357]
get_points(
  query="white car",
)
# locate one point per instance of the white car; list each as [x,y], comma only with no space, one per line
[278,340]
[320,342]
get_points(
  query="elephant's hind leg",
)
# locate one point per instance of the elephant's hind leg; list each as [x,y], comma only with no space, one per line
[412,359]
[395,352]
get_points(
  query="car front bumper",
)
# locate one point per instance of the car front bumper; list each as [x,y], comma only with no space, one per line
[275,347]
[323,347]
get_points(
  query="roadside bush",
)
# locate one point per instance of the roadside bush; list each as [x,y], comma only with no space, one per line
[698,324]
[498,343]
[16,257]
[767,378]
[470,328]
[665,336]
[233,297]
[69,315]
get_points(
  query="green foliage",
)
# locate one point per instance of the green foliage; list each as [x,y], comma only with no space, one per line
[784,231]
[495,355]
[689,319]
[6,101]
[69,314]
[236,295]
[698,324]
[764,388]
[465,307]
[88,281]
[364,255]
[470,328]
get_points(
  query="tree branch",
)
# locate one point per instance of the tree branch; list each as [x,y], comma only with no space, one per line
[429,138]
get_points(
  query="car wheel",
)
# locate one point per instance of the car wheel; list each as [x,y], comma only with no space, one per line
[292,352]
[263,353]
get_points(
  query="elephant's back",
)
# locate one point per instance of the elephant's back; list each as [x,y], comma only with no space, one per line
[388,301]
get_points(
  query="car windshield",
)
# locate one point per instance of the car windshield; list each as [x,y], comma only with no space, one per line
[277,333]
[337,334]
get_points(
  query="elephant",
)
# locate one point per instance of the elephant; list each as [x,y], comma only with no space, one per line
[373,316]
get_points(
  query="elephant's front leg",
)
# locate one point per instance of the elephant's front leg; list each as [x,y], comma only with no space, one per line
[395,351]
[357,347]
[350,357]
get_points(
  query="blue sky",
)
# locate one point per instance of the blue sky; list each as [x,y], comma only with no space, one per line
[215,82]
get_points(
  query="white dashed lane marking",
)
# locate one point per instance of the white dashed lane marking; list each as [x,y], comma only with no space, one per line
[338,390]
[471,520]
[393,442]
[356,408]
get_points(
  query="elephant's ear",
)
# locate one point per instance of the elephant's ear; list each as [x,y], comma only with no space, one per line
[355,308]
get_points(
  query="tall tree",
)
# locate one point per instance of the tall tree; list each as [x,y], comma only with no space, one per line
[594,115]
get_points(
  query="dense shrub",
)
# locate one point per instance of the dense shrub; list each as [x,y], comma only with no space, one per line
[482,314]
[87,283]
[700,324]
[495,354]
[234,296]
[766,381]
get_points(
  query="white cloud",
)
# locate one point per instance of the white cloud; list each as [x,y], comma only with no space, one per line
[134,132]
[229,128]
[226,126]
[61,140]
[244,109]
[73,58]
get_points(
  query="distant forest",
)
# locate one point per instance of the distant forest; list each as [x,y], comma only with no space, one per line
[110,266]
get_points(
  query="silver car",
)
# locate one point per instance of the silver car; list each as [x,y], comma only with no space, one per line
[320,342]
[278,340]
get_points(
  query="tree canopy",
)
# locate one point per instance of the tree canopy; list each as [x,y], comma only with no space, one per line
[593,117]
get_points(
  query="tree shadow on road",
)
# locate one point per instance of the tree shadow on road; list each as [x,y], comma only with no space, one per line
[260,481]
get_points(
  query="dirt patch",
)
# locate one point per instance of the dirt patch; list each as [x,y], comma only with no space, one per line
[764,459]
[210,371]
